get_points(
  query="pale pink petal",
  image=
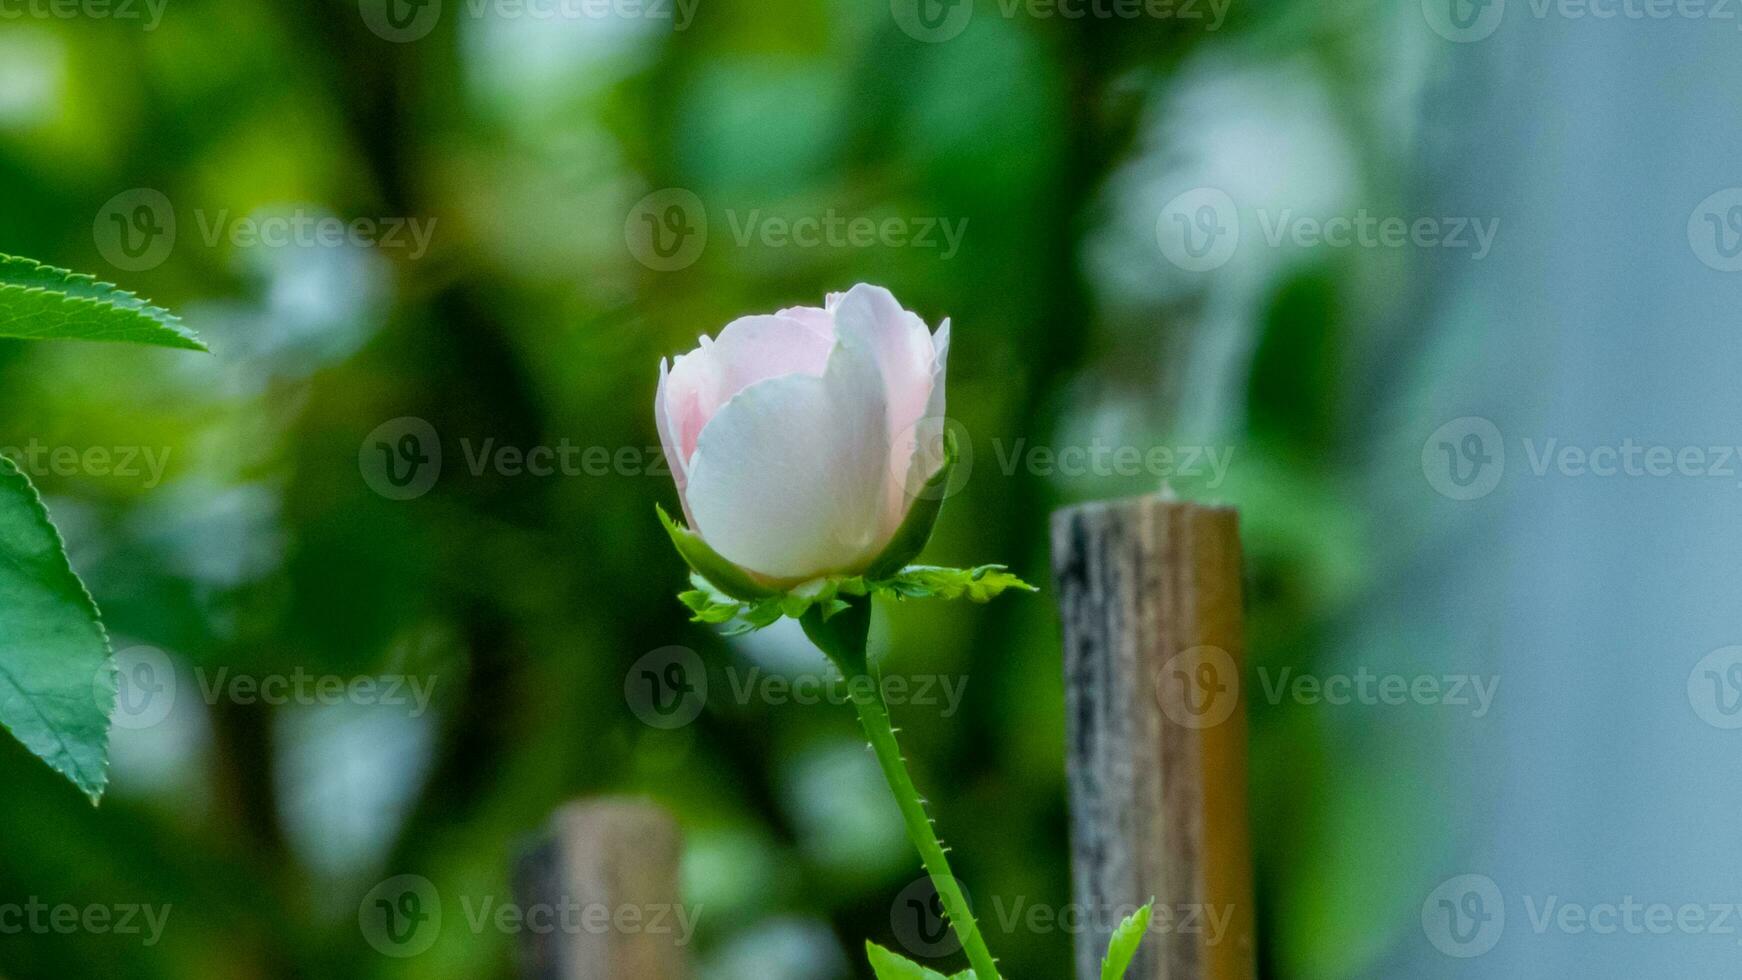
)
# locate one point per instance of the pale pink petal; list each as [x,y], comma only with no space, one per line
[676,462]
[928,451]
[788,476]
[749,349]
[822,322]
[905,358]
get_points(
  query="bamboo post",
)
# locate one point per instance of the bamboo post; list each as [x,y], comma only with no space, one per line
[1149,597]
[603,881]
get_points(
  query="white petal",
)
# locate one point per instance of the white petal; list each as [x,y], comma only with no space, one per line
[748,350]
[787,477]
[928,449]
[673,459]
[905,358]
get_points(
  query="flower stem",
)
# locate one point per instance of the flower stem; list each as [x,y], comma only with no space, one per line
[874,717]
[842,638]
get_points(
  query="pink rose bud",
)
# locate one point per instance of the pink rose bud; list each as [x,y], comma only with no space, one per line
[799,440]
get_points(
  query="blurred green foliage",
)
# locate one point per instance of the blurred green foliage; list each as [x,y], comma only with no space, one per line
[264,549]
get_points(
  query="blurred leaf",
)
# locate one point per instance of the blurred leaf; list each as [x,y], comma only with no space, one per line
[889,966]
[40,302]
[1123,946]
[57,679]
[1294,386]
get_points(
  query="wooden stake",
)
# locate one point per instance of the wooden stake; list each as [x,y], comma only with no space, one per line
[607,874]
[1149,595]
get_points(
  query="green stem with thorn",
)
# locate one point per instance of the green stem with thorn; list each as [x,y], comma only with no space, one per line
[842,637]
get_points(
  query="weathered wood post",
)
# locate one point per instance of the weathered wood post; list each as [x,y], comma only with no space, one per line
[1149,594]
[605,875]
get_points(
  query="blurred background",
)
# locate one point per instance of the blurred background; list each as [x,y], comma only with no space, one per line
[1365,270]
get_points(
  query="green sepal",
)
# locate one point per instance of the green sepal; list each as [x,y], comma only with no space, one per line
[707,563]
[841,632]
[1123,945]
[979,584]
[709,605]
[889,966]
[915,531]
[829,597]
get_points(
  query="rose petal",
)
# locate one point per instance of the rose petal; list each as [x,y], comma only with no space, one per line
[905,358]
[788,476]
[661,419]
[928,450]
[749,349]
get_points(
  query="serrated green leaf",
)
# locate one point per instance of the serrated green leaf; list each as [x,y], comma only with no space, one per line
[981,584]
[57,677]
[41,302]
[915,531]
[706,562]
[889,966]
[1123,945]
